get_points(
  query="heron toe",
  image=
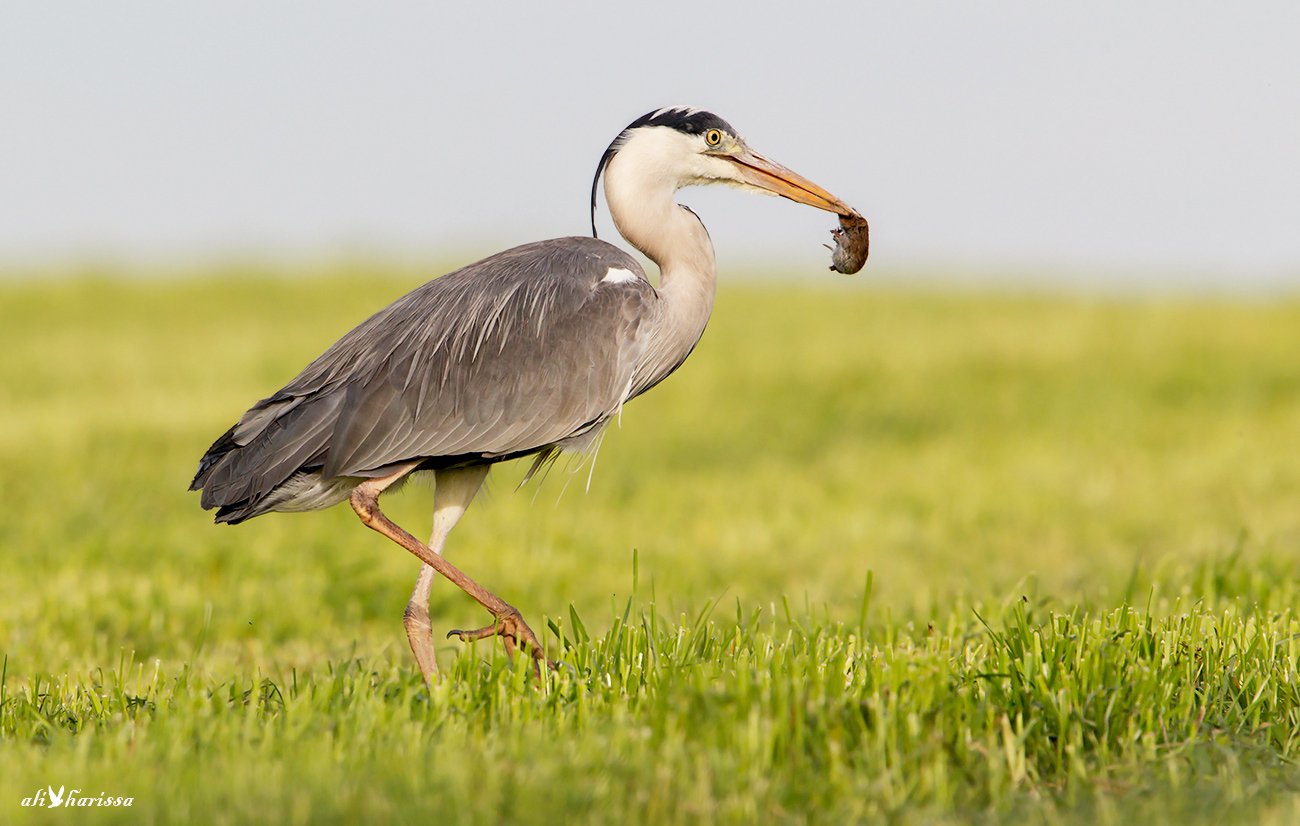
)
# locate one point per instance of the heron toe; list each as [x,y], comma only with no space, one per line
[512,629]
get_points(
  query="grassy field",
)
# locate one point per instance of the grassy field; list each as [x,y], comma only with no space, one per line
[870,556]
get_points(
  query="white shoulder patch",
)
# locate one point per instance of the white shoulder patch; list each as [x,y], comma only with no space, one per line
[618,275]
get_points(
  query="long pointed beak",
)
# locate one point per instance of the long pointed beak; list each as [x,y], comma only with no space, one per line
[763,173]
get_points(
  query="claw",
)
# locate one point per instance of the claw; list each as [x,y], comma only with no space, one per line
[476,634]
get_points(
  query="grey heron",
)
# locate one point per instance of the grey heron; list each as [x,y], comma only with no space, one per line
[525,353]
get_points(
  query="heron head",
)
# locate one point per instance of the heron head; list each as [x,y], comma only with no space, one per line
[691,147]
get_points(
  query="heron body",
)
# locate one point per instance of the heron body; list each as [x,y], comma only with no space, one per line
[525,353]
[475,367]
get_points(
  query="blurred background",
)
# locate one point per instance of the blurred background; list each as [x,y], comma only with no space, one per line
[1099,146]
[1091,403]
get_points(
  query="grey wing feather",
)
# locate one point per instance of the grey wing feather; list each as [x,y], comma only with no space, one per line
[504,357]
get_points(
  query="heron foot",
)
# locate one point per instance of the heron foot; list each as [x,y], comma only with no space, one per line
[512,629]
[419,632]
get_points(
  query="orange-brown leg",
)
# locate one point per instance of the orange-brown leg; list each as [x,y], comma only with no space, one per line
[509,624]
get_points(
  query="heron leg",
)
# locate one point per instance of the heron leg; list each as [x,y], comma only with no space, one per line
[454,490]
[509,623]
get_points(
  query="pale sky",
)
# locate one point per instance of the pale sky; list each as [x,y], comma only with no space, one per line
[1129,140]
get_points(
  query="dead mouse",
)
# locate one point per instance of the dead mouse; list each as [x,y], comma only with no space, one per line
[851,243]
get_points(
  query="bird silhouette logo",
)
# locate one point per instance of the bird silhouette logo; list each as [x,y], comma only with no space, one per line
[56,800]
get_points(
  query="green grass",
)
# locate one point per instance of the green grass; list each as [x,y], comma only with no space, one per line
[1079,519]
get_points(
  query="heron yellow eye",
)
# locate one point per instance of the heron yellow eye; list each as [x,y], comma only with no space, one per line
[713,137]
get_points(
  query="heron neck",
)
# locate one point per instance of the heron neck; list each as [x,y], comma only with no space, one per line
[675,240]
[687,268]
[687,286]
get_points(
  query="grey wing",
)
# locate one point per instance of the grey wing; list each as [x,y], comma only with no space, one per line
[502,358]
[499,365]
